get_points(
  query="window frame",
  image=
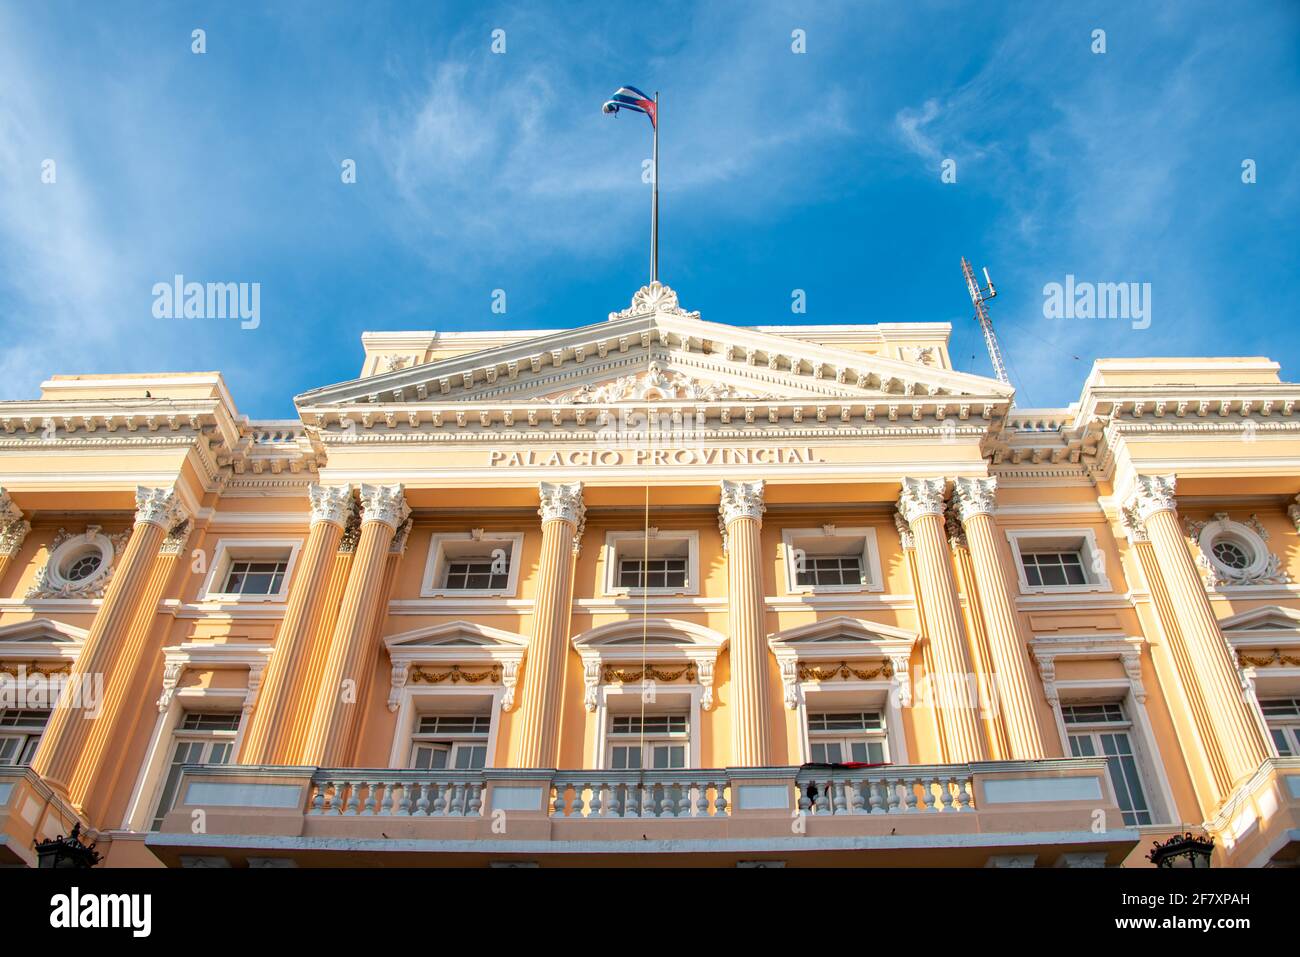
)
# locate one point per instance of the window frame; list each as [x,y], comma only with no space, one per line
[649,740]
[846,737]
[453,740]
[1060,540]
[208,738]
[614,551]
[436,565]
[230,550]
[1125,725]
[28,736]
[795,538]
[619,700]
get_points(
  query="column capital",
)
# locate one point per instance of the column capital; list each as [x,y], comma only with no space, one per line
[741,500]
[159,506]
[974,496]
[1151,494]
[331,503]
[562,501]
[13,526]
[921,497]
[384,503]
[9,512]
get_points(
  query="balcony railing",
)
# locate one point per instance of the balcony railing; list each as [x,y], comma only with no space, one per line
[695,793]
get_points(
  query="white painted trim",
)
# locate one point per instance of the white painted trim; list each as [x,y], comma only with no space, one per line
[870,557]
[1093,560]
[229,550]
[607,691]
[890,706]
[609,556]
[435,565]
[408,712]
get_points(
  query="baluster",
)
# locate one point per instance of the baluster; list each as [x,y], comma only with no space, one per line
[720,800]
[353,804]
[858,790]
[926,794]
[823,798]
[458,800]
[616,792]
[684,800]
[575,809]
[443,803]
[386,805]
[422,800]
[805,802]
[666,806]
[368,810]
[557,807]
[476,799]
[946,797]
[404,802]
[909,793]
[633,800]
[702,801]
[596,806]
[963,797]
[875,798]
[891,788]
[318,799]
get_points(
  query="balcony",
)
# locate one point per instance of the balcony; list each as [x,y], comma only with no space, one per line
[29,811]
[1044,813]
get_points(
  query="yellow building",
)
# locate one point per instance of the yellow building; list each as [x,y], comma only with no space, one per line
[657,590]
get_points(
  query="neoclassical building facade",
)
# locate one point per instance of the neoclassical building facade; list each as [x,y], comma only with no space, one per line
[653,590]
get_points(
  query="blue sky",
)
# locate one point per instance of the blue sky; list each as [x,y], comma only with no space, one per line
[780,171]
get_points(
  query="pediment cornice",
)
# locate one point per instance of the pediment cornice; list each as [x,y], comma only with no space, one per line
[543,365]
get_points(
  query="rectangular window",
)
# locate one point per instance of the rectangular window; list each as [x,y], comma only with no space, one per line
[844,570]
[655,573]
[20,733]
[1054,568]
[477,573]
[667,562]
[204,737]
[843,737]
[255,578]
[656,741]
[1282,715]
[1102,730]
[445,742]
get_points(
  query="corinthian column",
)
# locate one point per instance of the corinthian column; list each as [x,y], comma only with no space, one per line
[975,500]
[13,531]
[351,661]
[65,743]
[921,504]
[741,518]
[563,515]
[267,738]
[1239,740]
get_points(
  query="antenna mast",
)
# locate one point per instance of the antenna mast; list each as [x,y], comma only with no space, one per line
[979,297]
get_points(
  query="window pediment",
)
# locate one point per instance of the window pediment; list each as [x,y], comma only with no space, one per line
[459,651]
[615,652]
[843,647]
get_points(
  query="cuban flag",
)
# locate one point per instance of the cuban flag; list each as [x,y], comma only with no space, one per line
[630,98]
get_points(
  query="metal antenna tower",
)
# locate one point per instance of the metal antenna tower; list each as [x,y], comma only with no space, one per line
[979,297]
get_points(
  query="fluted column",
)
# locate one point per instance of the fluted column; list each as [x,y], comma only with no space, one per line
[921,504]
[267,738]
[351,654]
[741,517]
[563,515]
[975,500]
[13,532]
[1237,734]
[63,745]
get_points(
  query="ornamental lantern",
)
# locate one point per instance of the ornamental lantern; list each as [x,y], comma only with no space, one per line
[64,852]
[1182,850]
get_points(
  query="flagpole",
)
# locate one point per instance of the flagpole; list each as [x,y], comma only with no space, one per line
[654,202]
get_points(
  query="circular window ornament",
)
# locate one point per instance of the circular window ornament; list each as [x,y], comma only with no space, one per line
[78,566]
[1236,553]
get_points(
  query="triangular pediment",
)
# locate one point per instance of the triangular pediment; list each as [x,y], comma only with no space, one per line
[654,352]
[43,631]
[456,636]
[655,631]
[842,635]
[1269,618]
